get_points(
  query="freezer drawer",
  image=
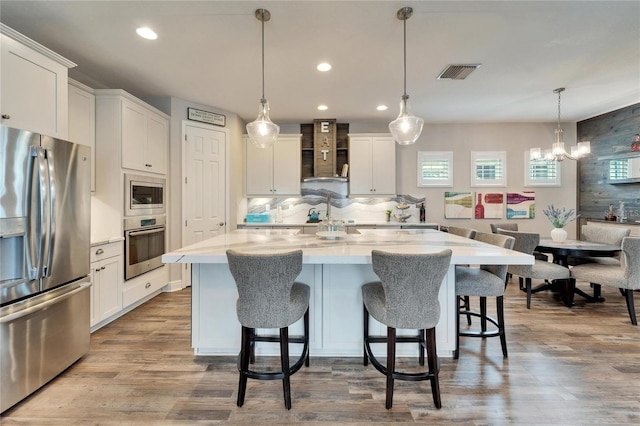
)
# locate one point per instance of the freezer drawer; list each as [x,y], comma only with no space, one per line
[40,337]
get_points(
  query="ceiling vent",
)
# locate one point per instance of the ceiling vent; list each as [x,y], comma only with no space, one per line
[457,72]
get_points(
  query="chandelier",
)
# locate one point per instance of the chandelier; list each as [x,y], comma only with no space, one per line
[557,151]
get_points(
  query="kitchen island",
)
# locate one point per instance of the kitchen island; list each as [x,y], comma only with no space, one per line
[334,269]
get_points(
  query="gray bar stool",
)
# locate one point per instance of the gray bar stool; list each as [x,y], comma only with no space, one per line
[269,298]
[405,297]
[485,281]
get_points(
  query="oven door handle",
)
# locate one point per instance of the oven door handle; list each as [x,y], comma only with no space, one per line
[145,231]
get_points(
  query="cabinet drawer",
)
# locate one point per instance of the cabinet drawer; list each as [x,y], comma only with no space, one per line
[104,251]
[142,286]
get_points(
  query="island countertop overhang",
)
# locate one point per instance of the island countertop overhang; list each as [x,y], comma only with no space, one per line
[350,249]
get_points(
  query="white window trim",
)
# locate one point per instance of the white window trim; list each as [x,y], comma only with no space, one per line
[488,155]
[546,183]
[435,155]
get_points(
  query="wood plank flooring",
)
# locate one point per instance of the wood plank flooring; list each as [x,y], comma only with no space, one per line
[565,367]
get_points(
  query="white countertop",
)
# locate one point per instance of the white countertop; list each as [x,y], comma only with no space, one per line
[351,249]
[351,224]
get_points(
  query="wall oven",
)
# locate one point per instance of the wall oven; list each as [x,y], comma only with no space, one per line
[144,195]
[144,244]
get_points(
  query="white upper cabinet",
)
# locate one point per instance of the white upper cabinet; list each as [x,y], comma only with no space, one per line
[372,165]
[82,121]
[33,82]
[144,139]
[274,171]
[132,128]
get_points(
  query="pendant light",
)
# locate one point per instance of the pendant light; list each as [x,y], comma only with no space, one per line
[407,127]
[263,132]
[557,151]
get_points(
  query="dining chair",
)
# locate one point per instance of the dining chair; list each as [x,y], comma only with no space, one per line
[485,281]
[405,297]
[601,234]
[462,232]
[526,242]
[625,275]
[269,297]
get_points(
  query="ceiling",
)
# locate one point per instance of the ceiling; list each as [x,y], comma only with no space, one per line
[208,52]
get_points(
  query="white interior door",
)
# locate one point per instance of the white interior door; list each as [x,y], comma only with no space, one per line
[204,184]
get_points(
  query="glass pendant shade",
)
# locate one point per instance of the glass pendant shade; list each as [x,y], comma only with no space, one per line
[263,132]
[406,129]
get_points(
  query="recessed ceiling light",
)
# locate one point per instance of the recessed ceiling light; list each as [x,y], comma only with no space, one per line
[323,67]
[323,107]
[381,107]
[146,32]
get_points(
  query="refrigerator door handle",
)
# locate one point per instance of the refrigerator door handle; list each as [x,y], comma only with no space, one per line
[51,223]
[35,210]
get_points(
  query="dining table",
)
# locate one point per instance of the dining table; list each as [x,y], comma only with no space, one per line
[561,251]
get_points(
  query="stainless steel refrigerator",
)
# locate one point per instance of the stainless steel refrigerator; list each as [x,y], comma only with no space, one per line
[44,260]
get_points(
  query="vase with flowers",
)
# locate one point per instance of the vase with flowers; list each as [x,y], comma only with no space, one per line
[559,218]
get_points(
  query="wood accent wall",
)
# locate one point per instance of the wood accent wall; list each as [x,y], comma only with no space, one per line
[609,133]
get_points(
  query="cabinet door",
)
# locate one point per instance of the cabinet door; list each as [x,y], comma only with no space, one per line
[134,136]
[259,169]
[383,165]
[157,136]
[34,90]
[110,288]
[286,166]
[94,275]
[82,123]
[360,166]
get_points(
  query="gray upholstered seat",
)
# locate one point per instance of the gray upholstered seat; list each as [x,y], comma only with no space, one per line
[405,297]
[485,281]
[625,276]
[604,235]
[507,226]
[268,297]
[526,242]
[463,232]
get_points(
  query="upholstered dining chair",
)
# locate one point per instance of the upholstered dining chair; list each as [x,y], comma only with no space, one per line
[485,281]
[509,226]
[269,297]
[405,297]
[462,232]
[601,234]
[526,242]
[625,276]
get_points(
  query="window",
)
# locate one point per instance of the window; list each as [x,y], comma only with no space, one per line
[619,169]
[435,168]
[541,172]
[488,168]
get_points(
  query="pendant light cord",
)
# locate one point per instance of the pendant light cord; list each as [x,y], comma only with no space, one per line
[559,93]
[262,20]
[405,55]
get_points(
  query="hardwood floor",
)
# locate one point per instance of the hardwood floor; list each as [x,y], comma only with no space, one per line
[565,366]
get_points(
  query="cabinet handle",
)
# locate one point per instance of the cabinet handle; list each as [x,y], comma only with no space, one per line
[102,268]
[98,270]
[99,251]
[221,224]
[147,165]
[147,285]
[6,116]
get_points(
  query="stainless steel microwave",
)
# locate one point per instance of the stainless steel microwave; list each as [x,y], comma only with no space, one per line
[144,195]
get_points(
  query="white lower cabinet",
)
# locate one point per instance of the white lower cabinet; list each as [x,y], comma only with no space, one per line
[106,279]
[142,287]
